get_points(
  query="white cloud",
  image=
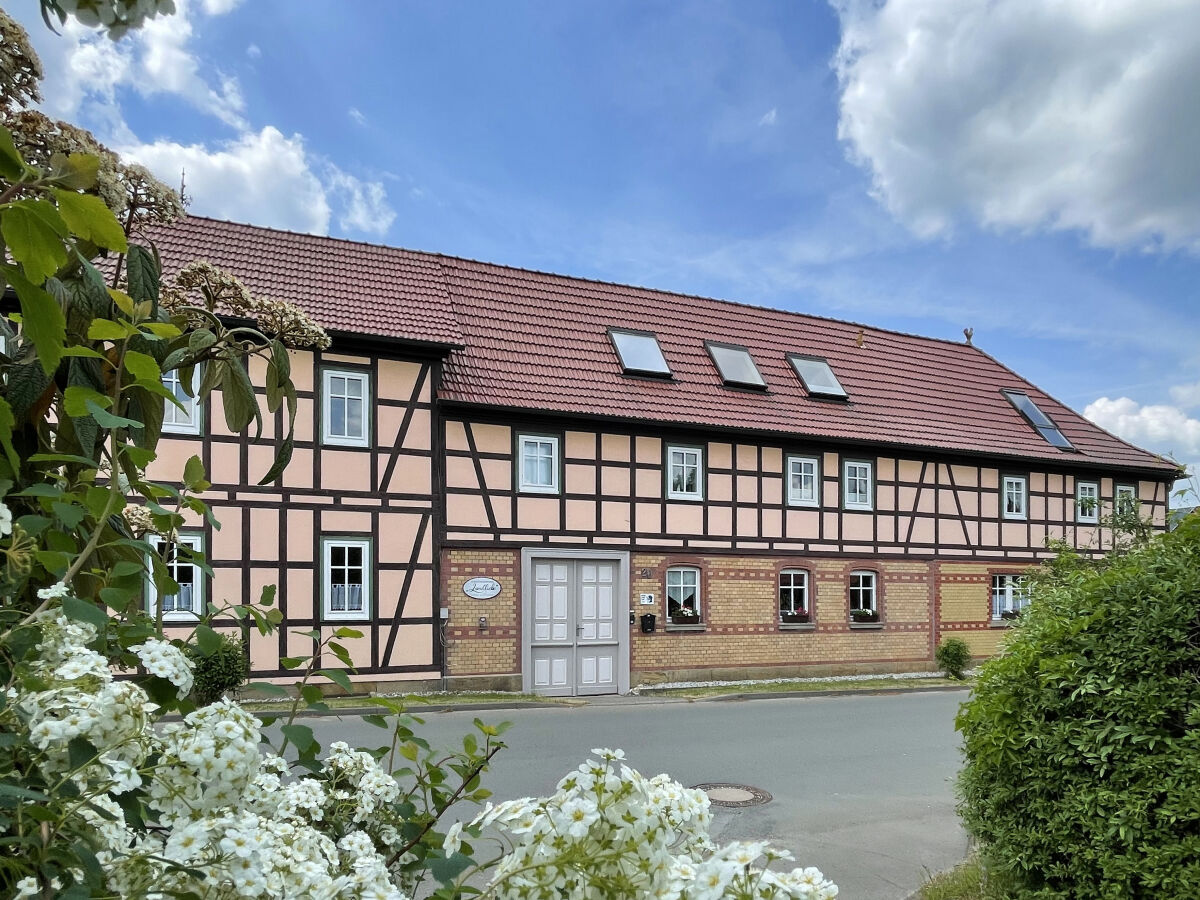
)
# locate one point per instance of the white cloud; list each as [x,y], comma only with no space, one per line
[1186,395]
[1159,427]
[362,205]
[1026,114]
[253,51]
[259,176]
[769,117]
[264,178]
[167,65]
[268,179]
[357,115]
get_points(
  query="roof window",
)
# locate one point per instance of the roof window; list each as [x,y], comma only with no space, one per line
[639,353]
[817,377]
[735,364]
[1038,419]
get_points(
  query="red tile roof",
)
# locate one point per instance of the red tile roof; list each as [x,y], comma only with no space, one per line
[535,341]
[343,285]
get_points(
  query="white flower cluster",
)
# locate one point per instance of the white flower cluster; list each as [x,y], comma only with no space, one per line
[227,820]
[5,520]
[610,831]
[165,660]
[227,294]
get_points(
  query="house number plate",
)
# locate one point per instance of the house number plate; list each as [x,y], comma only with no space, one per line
[482,588]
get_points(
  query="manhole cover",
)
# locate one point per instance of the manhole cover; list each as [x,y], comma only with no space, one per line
[735,795]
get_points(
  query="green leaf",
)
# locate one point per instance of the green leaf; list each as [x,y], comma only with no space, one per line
[274,690]
[282,458]
[6,431]
[237,396]
[42,319]
[122,301]
[207,640]
[143,367]
[78,171]
[447,869]
[338,677]
[77,397]
[293,662]
[300,735]
[193,475]
[11,164]
[88,216]
[268,595]
[82,351]
[142,274]
[33,239]
[80,752]
[69,514]
[83,611]
[107,419]
[108,330]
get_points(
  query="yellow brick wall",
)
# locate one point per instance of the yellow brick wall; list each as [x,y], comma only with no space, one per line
[471,650]
[739,598]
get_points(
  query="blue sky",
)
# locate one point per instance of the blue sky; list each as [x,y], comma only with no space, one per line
[1027,171]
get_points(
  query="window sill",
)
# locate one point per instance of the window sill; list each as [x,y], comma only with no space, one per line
[700,627]
[866,626]
[689,498]
[797,626]
[1003,623]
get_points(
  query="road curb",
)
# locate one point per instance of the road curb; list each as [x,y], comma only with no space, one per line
[630,700]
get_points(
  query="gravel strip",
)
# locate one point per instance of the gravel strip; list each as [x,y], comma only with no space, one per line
[675,685]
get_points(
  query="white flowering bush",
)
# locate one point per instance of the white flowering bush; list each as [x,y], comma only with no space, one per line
[609,831]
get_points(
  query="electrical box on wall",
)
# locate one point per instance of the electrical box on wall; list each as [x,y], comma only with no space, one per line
[647,599]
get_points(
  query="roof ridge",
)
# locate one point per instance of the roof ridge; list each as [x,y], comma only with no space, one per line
[452,258]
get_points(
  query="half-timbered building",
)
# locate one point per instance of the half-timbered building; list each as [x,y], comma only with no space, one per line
[514,479]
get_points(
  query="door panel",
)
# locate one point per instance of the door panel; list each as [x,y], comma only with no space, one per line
[575,647]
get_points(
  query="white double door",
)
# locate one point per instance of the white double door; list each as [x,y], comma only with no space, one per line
[577,641]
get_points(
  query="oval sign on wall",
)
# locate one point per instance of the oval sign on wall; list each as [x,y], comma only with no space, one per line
[482,588]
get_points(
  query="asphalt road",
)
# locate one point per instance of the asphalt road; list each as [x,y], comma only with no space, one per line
[862,785]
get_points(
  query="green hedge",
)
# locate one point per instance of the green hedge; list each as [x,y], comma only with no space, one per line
[953,656]
[1082,739]
[222,671]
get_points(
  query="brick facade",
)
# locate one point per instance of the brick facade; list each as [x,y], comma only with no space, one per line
[920,602]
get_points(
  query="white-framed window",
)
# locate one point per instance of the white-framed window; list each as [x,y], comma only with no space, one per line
[863,597]
[345,407]
[793,595]
[1009,596]
[188,602]
[683,593]
[1087,501]
[804,481]
[685,473]
[537,456]
[346,573]
[188,419]
[1126,500]
[1014,497]
[856,485]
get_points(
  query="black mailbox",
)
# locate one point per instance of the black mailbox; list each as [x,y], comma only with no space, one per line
[648,623]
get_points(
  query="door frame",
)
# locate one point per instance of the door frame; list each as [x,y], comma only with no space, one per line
[620,604]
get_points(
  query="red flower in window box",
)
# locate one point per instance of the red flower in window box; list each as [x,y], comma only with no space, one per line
[796,617]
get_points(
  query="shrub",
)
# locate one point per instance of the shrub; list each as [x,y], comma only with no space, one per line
[221,672]
[1082,739]
[953,656]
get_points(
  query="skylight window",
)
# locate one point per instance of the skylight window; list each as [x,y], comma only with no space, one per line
[1038,419]
[735,365]
[818,378]
[639,353]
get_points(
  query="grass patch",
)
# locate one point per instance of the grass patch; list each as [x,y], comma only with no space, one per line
[414,702]
[969,881]
[788,687]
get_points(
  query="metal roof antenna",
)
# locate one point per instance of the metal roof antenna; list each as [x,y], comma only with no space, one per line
[861,340]
[969,333]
